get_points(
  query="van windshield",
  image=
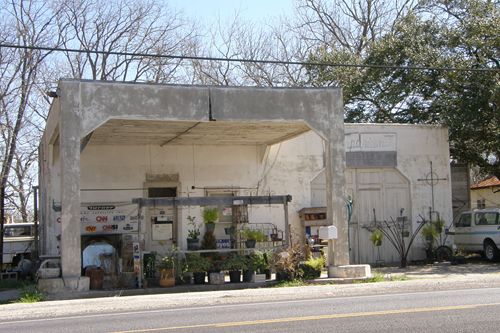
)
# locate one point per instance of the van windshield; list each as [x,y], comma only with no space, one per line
[17,231]
[464,221]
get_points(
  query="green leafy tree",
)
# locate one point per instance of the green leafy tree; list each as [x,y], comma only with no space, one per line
[436,34]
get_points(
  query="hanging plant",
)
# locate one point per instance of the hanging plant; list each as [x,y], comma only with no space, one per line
[376,237]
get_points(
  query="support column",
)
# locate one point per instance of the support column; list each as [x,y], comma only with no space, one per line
[70,128]
[335,182]
[338,249]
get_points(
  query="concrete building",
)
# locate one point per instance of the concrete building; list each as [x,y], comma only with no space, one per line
[108,143]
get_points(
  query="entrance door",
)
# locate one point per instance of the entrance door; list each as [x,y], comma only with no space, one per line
[378,195]
[161,221]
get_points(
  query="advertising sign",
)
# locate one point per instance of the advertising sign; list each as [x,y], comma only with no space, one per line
[108,218]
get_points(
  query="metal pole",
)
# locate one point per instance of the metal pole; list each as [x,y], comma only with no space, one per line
[432,187]
[139,221]
[287,226]
[35,220]
[2,222]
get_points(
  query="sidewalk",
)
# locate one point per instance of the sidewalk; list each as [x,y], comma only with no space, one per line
[470,274]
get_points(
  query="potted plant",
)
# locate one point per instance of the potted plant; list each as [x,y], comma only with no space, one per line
[193,240]
[260,264]
[210,216]
[215,276]
[274,235]
[286,263]
[198,265]
[230,230]
[167,267]
[431,232]
[234,264]
[252,236]
[376,237]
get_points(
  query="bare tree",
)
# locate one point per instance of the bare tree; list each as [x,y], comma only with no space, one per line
[242,39]
[222,44]
[132,29]
[20,184]
[26,23]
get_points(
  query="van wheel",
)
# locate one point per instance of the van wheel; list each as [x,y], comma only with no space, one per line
[490,251]
[443,253]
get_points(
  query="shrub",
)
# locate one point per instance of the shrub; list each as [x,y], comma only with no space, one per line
[286,263]
[311,269]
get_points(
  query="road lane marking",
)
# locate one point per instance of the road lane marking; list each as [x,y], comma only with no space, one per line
[317,317]
[218,306]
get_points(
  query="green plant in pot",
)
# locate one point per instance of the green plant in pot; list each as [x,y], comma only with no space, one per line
[210,217]
[376,237]
[230,230]
[252,236]
[431,232]
[260,263]
[198,265]
[234,264]
[193,239]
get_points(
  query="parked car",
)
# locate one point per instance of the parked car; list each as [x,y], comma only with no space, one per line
[18,242]
[479,231]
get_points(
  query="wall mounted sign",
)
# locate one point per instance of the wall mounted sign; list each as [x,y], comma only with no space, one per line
[371,150]
[107,218]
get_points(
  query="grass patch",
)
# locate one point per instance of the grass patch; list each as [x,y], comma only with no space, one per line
[292,283]
[398,278]
[376,277]
[379,277]
[30,294]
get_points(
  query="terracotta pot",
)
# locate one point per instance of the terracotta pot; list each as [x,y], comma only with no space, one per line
[167,277]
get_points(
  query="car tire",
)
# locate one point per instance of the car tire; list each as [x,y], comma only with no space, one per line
[491,251]
[444,253]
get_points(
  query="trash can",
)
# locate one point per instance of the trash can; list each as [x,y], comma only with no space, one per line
[96,276]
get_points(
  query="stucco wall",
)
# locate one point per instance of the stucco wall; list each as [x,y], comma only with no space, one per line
[491,198]
[119,173]
[415,146]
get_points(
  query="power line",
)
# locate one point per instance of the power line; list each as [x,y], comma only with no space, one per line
[241,60]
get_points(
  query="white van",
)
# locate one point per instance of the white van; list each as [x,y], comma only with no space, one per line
[18,242]
[479,231]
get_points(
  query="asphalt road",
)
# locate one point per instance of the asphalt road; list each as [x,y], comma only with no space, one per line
[472,310]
